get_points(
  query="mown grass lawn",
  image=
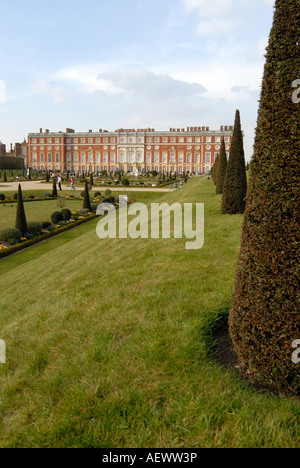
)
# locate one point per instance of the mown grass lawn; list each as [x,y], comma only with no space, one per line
[42,210]
[105,345]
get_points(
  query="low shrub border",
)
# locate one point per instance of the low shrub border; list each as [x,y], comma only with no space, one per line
[29,243]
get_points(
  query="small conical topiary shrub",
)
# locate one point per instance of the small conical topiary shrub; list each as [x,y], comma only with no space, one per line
[21,223]
[214,170]
[91,179]
[221,169]
[54,189]
[4,177]
[264,318]
[235,185]
[86,200]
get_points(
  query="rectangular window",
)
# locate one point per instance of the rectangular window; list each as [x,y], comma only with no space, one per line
[218,139]
[91,159]
[75,140]
[90,141]
[34,157]
[197,158]
[98,158]
[113,158]
[82,140]
[68,157]
[42,158]
[165,158]
[49,158]
[189,159]
[227,139]
[49,141]
[156,158]
[208,158]
[82,158]
[75,157]
[173,158]
[57,158]
[180,156]
[208,139]
[105,158]
[148,158]
[56,140]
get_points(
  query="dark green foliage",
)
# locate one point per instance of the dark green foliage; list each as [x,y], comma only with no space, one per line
[215,169]
[4,177]
[54,189]
[221,169]
[97,194]
[264,318]
[91,179]
[46,195]
[86,200]
[10,162]
[2,197]
[21,223]
[57,217]
[10,235]
[67,215]
[34,228]
[235,185]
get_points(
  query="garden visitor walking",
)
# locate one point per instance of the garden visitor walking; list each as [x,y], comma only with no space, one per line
[59,183]
[72,183]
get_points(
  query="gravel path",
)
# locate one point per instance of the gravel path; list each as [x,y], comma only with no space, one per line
[37,185]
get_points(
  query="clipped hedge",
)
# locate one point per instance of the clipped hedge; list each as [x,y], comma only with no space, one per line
[10,162]
[264,318]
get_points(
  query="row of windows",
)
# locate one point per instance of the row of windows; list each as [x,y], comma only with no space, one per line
[130,140]
[123,159]
[130,169]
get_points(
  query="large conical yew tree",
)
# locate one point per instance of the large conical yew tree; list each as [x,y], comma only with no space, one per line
[221,169]
[265,317]
[214,170]
[235,185]
[21,223]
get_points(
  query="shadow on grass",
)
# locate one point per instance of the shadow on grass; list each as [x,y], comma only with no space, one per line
[217,340]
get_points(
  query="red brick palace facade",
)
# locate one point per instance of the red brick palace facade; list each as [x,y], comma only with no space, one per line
[192,150]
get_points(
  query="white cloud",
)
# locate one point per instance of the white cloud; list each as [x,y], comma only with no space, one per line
[58,94]
[151,85]
[209,8]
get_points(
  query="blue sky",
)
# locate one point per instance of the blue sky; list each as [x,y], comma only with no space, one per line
[135,64]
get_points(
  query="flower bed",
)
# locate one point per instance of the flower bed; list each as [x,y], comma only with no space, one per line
[31,239]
